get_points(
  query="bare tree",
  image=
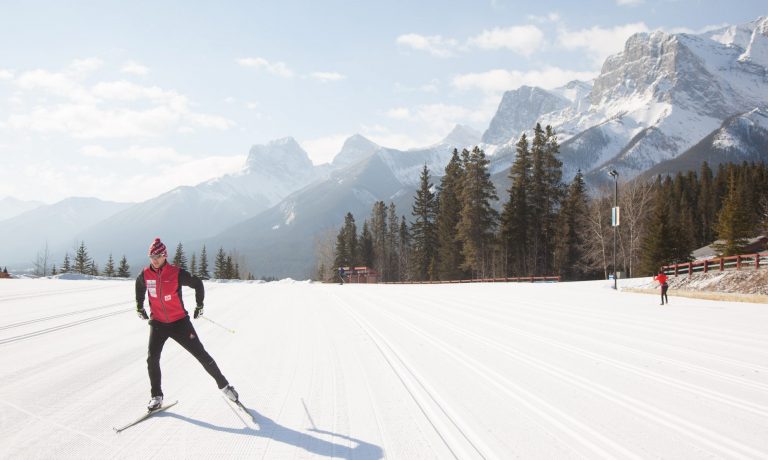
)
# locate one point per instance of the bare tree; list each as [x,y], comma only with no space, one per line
[325,247]
[41,261]
[599,237]
[635,201]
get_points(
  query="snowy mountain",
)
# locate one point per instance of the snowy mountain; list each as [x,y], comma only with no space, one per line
[740,138]
[12,207]
[518,111]
[56,225]
[280,241]
[661,96]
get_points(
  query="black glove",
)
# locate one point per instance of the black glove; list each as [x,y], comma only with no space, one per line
[198,311]
[142,313]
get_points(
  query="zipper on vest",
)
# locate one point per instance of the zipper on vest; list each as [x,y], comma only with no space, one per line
[160,292]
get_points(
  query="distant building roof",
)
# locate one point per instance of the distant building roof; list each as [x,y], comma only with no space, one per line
[756,244]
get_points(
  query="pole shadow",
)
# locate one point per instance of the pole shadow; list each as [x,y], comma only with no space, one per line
[269,429]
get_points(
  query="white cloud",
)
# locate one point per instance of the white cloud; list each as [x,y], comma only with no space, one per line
[67,104]
[551,17]
[126,185]
[327,76]
[598,41]
[6,74]
[324,149]
[135,153]
[524,40]
[629,2]
[432,122]
[399,113]
[279,69]
[500,80]
[134,68]
[435,45]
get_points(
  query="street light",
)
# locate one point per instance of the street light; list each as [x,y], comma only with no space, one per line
[615,218]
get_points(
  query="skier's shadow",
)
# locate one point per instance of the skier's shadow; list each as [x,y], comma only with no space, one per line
[316,445]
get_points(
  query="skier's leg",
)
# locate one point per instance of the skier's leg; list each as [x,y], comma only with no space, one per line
[157,337]
[187,337]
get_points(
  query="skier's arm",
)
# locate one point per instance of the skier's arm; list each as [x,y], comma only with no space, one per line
[189,280]
[141,290]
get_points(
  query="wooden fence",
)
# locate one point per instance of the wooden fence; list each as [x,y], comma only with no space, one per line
[742,261]
[517,279]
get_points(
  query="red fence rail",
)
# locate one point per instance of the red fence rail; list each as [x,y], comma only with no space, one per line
[753,261]
[516,279]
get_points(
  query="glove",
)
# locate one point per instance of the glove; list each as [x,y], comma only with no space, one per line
[142,313]
[198,311]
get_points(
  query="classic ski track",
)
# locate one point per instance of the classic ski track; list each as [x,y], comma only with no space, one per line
[537,312]
[701,434]
[570,428]
[56,293]
[374,406]
[473,442]
[61,315]
[288,392]
[461,309]
[29,335]
[699,332]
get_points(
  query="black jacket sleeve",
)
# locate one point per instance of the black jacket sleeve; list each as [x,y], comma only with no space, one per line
[189,280]
[141,291]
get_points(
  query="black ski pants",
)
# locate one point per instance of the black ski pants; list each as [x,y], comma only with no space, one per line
[184,334]
[664,297]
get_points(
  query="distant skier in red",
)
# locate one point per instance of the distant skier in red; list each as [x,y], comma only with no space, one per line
[662,279]
[170,319]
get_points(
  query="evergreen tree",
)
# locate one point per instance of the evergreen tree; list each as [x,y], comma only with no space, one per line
[109,268]
[229,268]
[423,230]
[193,264]
[366,246]
[515,216]
[346,243]
[220,265]
[203,272]
[379,236]
[93,269]
[404,258]
[180,259]
[478,219]
[733,223]
[449,256]
[546,193]
[393,244]
[658,244]
[123,270]
[570,247]
[66,266]
[82,260]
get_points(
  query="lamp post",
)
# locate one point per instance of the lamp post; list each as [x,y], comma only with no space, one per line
[615,219]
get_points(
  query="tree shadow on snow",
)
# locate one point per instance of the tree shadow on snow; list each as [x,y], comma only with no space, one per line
[270,430]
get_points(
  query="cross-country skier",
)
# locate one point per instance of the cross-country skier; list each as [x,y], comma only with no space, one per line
[341,275]
[662,279]
[169,318]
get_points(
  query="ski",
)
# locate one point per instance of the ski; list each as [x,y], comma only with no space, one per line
[239,406]
[144,417]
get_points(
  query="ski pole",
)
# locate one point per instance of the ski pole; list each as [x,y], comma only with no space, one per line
[214,322]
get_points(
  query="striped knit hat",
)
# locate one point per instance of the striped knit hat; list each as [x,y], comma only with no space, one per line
[157,248]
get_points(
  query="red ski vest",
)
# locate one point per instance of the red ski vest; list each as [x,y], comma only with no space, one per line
[164,293]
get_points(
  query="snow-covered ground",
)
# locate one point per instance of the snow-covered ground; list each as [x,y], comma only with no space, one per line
[569,370]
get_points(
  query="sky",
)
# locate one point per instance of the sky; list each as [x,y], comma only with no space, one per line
[123,101]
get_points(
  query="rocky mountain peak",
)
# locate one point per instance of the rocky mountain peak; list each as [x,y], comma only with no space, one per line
[282,154]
